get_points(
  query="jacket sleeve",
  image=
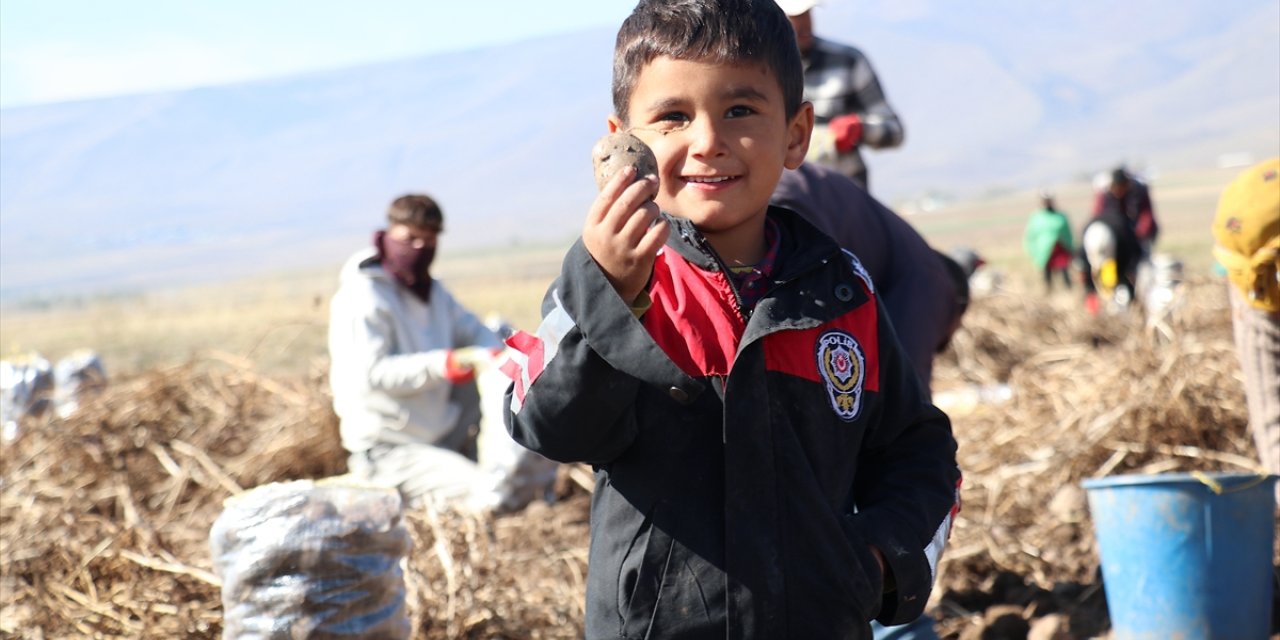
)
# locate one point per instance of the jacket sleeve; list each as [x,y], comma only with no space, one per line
[570,400]
[908,485]
[881,127]
[468,330]
[361,344]
[403,374]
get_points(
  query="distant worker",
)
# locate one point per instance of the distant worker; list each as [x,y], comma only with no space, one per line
[1109,255]
[1246,231]
[403,354]
[849,107]
[1131,199]
[1047,241]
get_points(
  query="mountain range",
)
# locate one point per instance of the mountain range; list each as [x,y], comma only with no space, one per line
[170,188]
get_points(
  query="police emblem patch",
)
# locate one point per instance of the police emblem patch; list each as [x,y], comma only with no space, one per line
[842,366]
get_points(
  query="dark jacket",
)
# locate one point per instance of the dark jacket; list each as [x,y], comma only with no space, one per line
[745,461]
[912,282]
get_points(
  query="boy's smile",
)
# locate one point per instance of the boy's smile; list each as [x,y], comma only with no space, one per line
[722,139]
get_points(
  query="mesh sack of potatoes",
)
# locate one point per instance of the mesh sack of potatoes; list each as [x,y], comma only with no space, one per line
[312,560]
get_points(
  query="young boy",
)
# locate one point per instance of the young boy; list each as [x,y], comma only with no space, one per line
[766,464]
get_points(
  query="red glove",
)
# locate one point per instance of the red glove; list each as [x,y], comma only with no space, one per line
[1091,303]
[458,372]
[847,130]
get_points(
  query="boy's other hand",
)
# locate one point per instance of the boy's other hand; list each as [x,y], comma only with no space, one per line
[624,232]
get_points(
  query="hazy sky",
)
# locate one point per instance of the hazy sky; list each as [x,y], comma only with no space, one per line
[56,50]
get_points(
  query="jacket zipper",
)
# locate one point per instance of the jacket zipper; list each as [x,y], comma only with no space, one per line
[724,270]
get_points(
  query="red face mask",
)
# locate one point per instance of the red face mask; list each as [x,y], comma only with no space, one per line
[409,265]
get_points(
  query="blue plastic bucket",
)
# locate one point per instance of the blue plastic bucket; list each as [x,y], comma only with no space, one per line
[1186,555]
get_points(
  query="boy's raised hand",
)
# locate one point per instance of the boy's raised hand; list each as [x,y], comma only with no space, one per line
[624,231]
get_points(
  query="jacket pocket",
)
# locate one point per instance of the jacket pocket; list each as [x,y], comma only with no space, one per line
[641,575]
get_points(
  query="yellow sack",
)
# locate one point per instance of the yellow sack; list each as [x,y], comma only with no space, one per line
[1247,234]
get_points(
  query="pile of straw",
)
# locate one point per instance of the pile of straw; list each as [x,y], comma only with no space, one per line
[521,576]
[106,514]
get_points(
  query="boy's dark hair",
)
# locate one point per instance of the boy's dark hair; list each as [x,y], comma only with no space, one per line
[416,210]
[715,31]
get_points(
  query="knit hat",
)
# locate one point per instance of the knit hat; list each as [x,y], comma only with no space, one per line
[1247,234]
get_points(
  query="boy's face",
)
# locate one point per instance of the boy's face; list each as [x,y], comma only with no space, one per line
[721,137]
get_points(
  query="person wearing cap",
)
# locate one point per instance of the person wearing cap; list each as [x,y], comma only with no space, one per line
[849,106]
[403,354]
[1246,232]
[1047,240]
[1130,198]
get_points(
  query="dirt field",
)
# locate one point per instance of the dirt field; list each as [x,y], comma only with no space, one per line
[106,515]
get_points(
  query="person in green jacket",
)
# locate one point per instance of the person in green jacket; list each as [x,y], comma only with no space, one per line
[1048,241]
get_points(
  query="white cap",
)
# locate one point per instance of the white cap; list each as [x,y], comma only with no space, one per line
[797,7]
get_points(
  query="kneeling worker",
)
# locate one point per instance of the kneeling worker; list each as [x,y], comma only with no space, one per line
[403,355]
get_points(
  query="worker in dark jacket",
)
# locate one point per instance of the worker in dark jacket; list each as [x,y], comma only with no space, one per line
[767,464]
[1129,198]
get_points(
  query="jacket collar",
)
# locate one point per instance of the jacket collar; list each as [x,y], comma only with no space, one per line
[802,246]
[804,251]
